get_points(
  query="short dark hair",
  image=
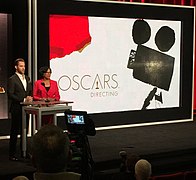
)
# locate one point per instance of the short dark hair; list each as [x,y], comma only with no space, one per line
[50,149]
[43,70]
[18,60]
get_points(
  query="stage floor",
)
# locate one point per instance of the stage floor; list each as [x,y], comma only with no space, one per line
[163,145]
[143,140]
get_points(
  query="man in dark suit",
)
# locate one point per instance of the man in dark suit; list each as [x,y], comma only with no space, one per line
[19,90]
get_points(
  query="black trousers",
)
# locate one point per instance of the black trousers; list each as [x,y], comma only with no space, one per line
[16,129]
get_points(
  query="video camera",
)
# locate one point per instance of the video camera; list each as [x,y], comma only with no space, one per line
[79,125]
[79,122]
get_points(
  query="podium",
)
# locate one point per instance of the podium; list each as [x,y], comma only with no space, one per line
[40,108]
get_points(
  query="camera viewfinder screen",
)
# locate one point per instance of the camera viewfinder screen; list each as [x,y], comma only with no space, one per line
[75,119]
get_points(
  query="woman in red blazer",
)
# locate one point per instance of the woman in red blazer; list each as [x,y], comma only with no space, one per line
[46,89]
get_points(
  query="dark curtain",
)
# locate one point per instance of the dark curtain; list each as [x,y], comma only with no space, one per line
[176,2]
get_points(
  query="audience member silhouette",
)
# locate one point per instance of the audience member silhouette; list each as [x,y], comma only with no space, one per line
[127,167]
[20,178]
[143,170]
[51,154]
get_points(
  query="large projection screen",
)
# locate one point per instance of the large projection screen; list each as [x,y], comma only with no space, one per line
[123,63]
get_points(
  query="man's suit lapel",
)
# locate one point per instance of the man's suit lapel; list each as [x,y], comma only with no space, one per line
[29,86]
[27,80]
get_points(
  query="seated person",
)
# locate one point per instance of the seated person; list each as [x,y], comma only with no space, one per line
[51,154]
[127,167]
[20,178]
[143,170]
